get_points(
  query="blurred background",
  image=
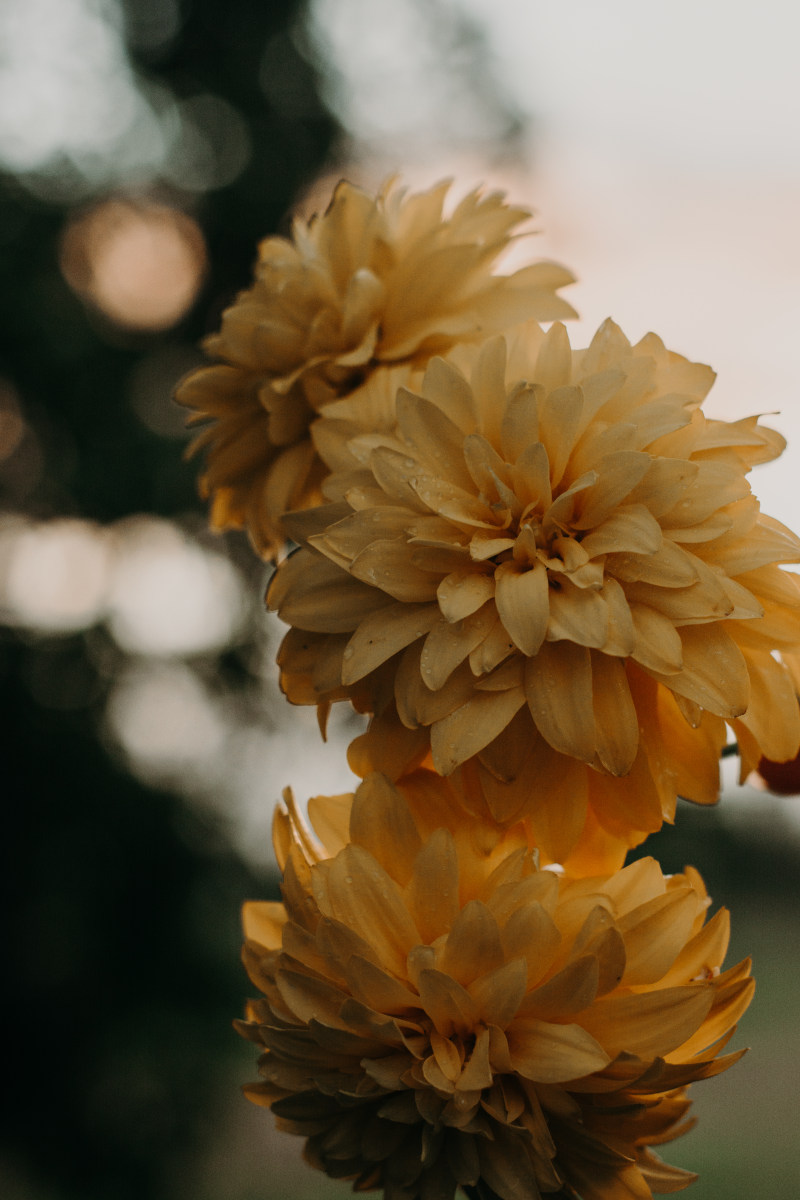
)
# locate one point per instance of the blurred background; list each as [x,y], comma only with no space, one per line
[145,147]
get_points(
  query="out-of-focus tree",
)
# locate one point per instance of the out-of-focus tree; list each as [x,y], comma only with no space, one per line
[146,147]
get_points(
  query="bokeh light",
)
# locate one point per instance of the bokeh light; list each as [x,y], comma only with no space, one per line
[165,720]
[54,576]
[140,264]
[168,595]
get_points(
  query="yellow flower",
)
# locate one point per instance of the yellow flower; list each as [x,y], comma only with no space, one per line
[554,563]
[437,1011]
[371,282]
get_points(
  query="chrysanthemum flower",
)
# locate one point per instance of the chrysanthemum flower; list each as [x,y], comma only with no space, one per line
[554,563]
[437,1011]
[371,282]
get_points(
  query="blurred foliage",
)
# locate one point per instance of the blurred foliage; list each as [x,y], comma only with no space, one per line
[121,905]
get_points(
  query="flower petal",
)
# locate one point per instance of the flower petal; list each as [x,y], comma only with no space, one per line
[615,718]
[466,731]
[522,599]
[549,1053]
[382,634]
[558,688]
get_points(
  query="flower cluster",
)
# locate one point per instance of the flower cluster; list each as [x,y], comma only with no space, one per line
[370,283]
[541,573]
[554,562]
[437,1011]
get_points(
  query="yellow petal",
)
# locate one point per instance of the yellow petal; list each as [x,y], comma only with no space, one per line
[560,419]
[670,566]
[520,427]
[318,596]
[330,819]
[416,703]
[365,898]
[773,715]
[378,989]
[714,672]
[730,1002]
[382,634]
[343,540]
[432,894]
[658,646]
[654,934]
[263,921]
[630,529]
[449,643]
[454,503]
[621,637]
[554,363]
[448,389]
[437,442]
[505,1165]
[558,688]
[664,484]
[530,475]
[569,991]
[557,804]
[522,599]
[493,650]
[651,1023]
[473,944]
[310,998]
[618,475]
[469,728]
[386,565]
[381,824]
[577,615]
[703,953]
[498,994]
[488,387]
[616,721]
[548,1053]
[464,592]
[531,933]
[447,1003]
[477,1073]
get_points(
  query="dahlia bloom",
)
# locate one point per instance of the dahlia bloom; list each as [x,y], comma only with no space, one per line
[437,1011]
[554,563]
[370,282]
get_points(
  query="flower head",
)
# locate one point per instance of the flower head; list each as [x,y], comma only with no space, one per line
[554,562]
[370,282]
[437,1011]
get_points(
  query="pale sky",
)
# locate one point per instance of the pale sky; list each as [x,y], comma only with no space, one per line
[663,161]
